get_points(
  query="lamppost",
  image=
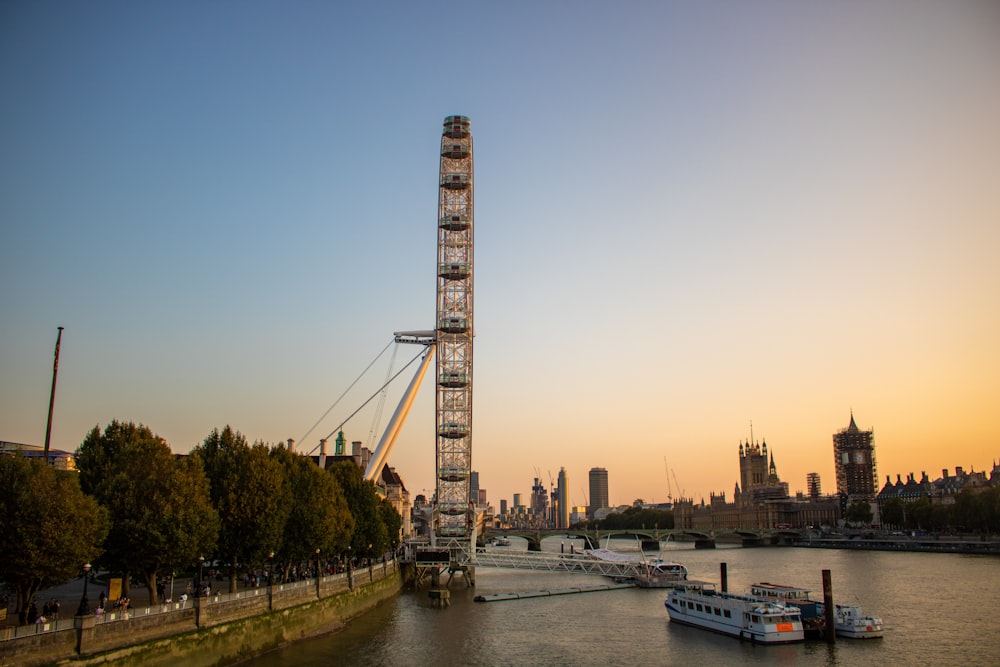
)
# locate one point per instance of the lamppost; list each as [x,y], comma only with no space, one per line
[201,571]
[270,569]
[317,563]
[84,606]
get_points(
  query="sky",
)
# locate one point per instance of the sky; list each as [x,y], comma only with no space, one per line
[690,217]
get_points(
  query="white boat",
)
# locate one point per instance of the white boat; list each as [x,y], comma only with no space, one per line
[648,573]
[851,622]
[661,574]
[765,621]
[499,542]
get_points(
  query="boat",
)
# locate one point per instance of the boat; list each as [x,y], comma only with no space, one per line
[661,574]
[849,620]
[647,573]
[698,604]
[499,542]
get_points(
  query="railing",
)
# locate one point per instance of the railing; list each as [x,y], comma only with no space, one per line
[19,631]
[116,615]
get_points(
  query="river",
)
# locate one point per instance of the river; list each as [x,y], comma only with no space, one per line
[938,609]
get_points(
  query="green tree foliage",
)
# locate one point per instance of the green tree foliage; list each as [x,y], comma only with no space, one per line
[247,490]
[393,522]
[978,510]
[50,528]
[893,514]
[370,536]
[319,517]
[161,514]
[637,518]
[859,512]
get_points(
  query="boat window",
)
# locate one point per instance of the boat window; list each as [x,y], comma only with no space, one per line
[725,612]
[698,606]
[718,612]
[755,618]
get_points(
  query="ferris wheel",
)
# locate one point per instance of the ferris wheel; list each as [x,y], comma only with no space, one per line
[455,513]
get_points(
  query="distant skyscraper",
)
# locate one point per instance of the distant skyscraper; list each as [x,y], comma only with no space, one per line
[562,503]
[813,486]
[854,458]
[503,507]
[517,501]
[598,491]
[474,486]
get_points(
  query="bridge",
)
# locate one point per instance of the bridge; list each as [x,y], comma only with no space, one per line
[652,539]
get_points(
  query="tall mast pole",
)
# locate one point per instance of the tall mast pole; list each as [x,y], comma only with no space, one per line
[52,396]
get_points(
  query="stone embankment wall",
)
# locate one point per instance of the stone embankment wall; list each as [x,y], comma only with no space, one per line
[212,631]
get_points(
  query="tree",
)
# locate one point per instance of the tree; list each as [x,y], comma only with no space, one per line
[893,514]
[393,522]
[859,512]
[247,490]
[50,527]
[370,536]
[319,517]
[161,515]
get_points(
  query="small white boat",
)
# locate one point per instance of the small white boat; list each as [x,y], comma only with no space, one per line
[851,622]
[499,542]
[768,622]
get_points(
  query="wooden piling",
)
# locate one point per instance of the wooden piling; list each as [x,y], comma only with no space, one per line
[831,627]
[724,576]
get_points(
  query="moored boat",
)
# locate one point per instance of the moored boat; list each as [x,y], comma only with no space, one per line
[849,620]
[852,622]
[765,621]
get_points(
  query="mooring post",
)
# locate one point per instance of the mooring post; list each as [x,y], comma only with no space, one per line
[724,575]
[831,628]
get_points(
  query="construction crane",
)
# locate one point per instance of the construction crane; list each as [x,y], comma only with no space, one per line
[676,483]
[670,492]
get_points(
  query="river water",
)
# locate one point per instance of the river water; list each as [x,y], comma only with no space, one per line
[938,609]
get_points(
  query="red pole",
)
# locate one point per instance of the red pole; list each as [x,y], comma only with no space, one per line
[52,396]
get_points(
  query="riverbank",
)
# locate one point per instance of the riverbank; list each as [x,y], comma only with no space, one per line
[930,544]
[218,630]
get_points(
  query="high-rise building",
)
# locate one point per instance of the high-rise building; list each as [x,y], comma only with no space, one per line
[854,459]
[474,486]
[812,485]
[599,498]
[562,502]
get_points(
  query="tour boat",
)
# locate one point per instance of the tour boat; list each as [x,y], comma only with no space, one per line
[765,621]
[647,573]
[849,620]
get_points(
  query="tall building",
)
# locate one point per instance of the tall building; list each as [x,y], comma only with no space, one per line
[562,502]
[598,491]
[813,486]
[854,460]
[474,486]
[758,477]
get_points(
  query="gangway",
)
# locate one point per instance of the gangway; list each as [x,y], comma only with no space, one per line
[549,562]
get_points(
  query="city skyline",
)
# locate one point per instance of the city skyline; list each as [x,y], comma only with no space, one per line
[688,218]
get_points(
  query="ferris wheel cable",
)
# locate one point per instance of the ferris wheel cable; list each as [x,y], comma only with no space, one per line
[341,397]
[372,397]
[377,417]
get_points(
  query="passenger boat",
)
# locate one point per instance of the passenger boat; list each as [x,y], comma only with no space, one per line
[499,542]
[765,621]
[661,574]
[849,620]
[647,573]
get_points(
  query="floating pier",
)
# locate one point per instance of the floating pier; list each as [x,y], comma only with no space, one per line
[496,597]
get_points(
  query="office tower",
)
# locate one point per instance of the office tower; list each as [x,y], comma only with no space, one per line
[854,459]
[598,491]
[562,503]
[474,486]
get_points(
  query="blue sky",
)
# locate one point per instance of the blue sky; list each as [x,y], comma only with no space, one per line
[688,216]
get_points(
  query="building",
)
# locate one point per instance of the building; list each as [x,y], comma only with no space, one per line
[58,459]
[762,503]
[562,501]
[474,486]
[599,498]
[854,461]
[813,485]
